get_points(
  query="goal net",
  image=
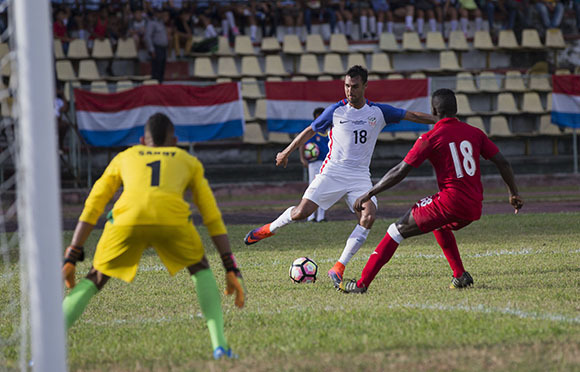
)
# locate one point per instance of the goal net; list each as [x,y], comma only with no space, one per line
[31,321]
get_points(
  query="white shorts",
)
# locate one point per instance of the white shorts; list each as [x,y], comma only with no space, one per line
[326,189]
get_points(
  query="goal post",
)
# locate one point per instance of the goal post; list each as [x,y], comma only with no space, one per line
[39,214]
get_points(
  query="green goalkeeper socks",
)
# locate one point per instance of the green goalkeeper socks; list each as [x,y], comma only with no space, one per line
[211,307]
[77,300]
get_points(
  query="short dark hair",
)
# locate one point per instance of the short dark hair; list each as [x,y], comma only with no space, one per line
[317,112]
[358,70]
[444,101]
[159,125]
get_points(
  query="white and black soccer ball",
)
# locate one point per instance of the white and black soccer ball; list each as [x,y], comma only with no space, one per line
[303,270]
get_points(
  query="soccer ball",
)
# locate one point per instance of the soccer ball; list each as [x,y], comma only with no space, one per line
[303,270]
[311,151]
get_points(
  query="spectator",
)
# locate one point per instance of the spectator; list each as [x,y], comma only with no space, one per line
[518,10]
[265,14]
[59,29]
[203,15]
[77,27]
[467,8]
[292,16]
[381,9]
[61,107]
[367,20]
[447,10]
[183,33]
[247,15]
[312,8]
[226,13]
[340,18]
[101,24]
[553,7]
[402,8]
[156,40]
[425,8]
[137,27]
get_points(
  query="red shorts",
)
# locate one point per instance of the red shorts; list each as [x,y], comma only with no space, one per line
[430,215]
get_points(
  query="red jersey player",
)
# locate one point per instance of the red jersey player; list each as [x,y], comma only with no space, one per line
[453,148]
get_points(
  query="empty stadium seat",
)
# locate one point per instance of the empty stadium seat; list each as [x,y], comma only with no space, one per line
[69,87]
[253,134]
[411,42]
[315,44]
[4,49]
[333,64]
[326,78]
[417,75]
[227,67]
[547,128]
[270,45]
[260,109]
[279,137]
[476,121]
[123,85]
[463,106]
[309,65]
[339,44]
[274,78]
[388,43]
[506,104]
[514,82]
[243,46]
[482,41]
[356,59]
[88,70]
[58,50]
[380,63]
[395,77]
[464,83]
[99,87]
[126,49]
[555,39]
[498,127]
[6,69]
[224,48]
[435,41]
[386,137]
[507,40]
[531,39]
[532,104]
[540,83]
[247,115]
[549,102]
[151,82]
[251,88]
[562,71]
[448,61]
[77,49]
[251,67]
[223,80]
[203,68]
[373,77]
[292,45]
[488,82]
[457,41]
[275,66]
[298,78]
[102,49]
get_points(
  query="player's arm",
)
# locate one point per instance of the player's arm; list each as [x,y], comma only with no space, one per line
[300,140]
[505,169]
[420,117]
[393,177]
[302,157]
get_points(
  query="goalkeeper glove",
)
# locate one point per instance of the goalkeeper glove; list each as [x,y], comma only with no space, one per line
[234,280]
[72,255]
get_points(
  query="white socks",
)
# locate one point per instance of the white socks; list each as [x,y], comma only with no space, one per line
[353,243]
[284,219]
[409,23]
[464,24]
[364,21]
[394,233]
[433,24]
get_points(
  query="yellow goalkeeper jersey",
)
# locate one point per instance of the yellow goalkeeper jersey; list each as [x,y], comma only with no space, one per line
[154,180]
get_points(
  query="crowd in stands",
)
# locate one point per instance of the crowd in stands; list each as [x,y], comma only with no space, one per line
[114,19]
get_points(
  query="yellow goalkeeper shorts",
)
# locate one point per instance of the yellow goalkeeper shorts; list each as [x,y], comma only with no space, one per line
[120,248]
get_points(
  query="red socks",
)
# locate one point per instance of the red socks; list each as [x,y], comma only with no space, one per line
[377,260]
[446,240]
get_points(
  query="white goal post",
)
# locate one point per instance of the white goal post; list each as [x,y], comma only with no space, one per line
[38,182]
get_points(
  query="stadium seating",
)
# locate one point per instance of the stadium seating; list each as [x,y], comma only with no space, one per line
[292,45]
[123,85]
[251,67]
[411,42]
[555,39]
[514,82]
[275,66]
[88,70]
[562,71]
[243,46]
[464,83]
[339,44]
[506,104]
[476,121]
[417,75]
[203,68]
[507,40]
[325,78]
[150,82]
[126,49]
[356,59]
[102,49]
[395,77]
[278,137]
[531,39]
[406,136]
[253,134]
[448,61]
[299,78]
[388,43]
[532,104]
[77,49]
[6,70]
[373,77]
[247,115]
[435,42]
[58,50]
[270,45]
[315,44]
[547,128]
[380,64]
[488,82]
[260,113]
[482,41]
[463,106]
[309,65]
[4,49]
[224,48]
[227,67]
[221,80]
[540,83]
[333,64]
[498,127]
[99,86]
[251,88]
[458,42]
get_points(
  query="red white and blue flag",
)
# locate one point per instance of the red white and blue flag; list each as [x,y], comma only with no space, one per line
[198,113]
[290,105]
[566,100]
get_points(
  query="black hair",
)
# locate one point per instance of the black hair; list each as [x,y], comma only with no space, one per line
[358,70]
[444,101]
[317,112]
[160,126]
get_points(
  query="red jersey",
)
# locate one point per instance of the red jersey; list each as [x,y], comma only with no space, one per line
[453,148]
[59,30]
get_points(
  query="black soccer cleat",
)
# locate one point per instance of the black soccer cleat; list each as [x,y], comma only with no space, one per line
[351,287]
[464,281]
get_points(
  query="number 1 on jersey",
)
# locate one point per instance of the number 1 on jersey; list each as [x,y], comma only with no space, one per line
[468,161]
[155,172]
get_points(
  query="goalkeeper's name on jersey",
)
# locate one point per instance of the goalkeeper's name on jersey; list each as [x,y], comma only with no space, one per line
[164,153]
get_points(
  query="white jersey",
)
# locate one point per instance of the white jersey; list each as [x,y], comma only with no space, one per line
[353,134]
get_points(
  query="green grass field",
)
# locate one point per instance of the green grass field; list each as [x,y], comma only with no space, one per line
[523,313]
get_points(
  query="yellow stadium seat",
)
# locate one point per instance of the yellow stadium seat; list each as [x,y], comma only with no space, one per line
[532,104]
[292,45]
[253,134]
[58,50]
[380,63]
[315,44]
[457,41]
[270,45]
[464,83]
[243,46]
[333,64]
[514,82]
[227,67]
[555,39]
[506,104]
[507,40]
[88,70]
[77,49]
[102,49]
[275,66]
[411,42]
[224,48]
[203,68]
[65,71]
[251,67]
[540,83]
[309,65]
[356,59]
[435,41]
[488,82]
[388,43]
[498,127]
[126,49]
[531,39]
[339,44]
[251,88]
[482,41]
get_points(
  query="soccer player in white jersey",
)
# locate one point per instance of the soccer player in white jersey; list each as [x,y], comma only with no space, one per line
[354,124]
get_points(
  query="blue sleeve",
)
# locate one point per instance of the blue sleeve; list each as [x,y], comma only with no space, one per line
[324,121]
[390,113]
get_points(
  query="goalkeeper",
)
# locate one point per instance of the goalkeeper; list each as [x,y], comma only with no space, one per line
[151,212]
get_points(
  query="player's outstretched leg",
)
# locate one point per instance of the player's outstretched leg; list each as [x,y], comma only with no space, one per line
[268,230]
[76,301]
[353,243]
[211,307]
[464,281]
[352,287]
